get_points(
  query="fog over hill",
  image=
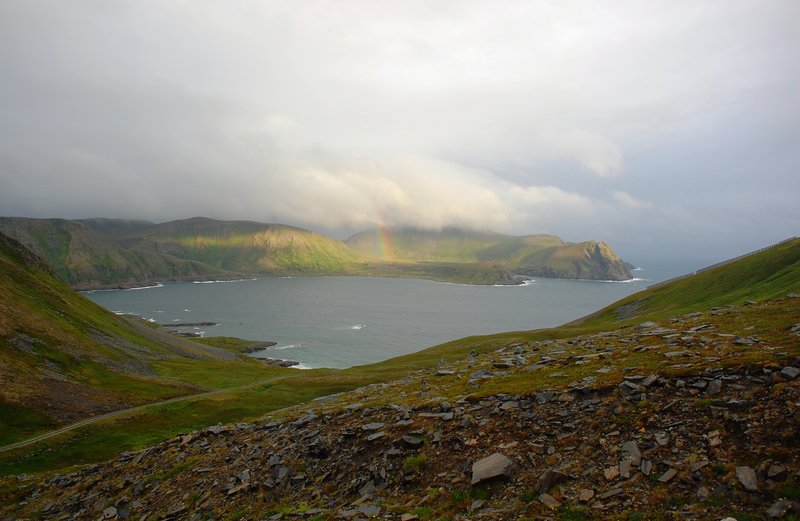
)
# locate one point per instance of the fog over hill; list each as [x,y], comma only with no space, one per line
[666,128]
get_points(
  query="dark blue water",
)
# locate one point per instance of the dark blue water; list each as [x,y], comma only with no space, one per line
[345,321]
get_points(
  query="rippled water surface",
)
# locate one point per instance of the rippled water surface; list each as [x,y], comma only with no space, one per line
[345,321]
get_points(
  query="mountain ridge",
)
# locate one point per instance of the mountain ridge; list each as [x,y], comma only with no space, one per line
[110,253]
[526,255]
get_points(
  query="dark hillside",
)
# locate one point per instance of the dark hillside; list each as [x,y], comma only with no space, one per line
[63,358]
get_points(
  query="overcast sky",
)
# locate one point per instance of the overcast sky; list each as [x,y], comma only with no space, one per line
[665,128]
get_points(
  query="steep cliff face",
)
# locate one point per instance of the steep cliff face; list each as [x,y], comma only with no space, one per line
[607,263]
[589,260]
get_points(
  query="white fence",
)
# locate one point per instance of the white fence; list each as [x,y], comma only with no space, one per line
[679,277]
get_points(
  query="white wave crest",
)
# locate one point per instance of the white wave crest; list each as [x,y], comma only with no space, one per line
[156,285]
[526,282]
[281,348]
[221,281]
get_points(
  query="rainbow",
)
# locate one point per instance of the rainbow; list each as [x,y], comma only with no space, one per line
[384,247]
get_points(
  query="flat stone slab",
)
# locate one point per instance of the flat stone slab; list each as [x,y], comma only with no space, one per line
[549,500]
[494,466]
[668,475]
[630,450]
[790,373]
[747,477]
[611,493]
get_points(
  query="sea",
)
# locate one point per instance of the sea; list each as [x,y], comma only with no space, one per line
[346,321]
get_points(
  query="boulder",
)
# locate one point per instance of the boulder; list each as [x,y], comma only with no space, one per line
[790,373]
[747,477]
[630,450]
[494,466]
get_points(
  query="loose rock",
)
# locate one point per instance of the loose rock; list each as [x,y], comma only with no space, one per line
[494,466]
[747,477]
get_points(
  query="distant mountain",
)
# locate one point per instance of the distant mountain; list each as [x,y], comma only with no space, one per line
[242,246]
[107,253]
[102,253]
[530,255]
[85,254]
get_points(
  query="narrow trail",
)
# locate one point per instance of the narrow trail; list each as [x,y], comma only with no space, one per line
[122,412]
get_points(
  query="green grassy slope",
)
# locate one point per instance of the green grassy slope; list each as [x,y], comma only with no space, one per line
[534,255]
[63,358]
[448,245]
[107,253]
[87,259]
[244,247]
[769,274]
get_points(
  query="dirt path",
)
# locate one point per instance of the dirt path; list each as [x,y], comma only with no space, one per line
[130,410]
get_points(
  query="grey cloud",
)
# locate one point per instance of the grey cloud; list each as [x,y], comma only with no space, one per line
[664,128]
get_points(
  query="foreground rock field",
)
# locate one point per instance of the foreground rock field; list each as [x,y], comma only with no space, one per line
[694,417]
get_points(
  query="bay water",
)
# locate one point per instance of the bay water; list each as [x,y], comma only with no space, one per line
[346,321]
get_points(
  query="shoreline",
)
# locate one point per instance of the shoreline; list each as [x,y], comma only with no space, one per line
[519,279]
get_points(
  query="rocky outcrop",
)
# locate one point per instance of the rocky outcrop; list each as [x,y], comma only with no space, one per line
[588,260]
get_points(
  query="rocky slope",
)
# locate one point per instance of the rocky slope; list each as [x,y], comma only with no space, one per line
[693,417]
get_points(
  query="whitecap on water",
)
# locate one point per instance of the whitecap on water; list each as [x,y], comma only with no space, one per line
[290,346]
[358,326]
[156,285]
[221,281]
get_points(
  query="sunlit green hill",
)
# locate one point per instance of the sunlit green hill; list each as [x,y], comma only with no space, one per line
[108,253]
[243,246]
[87,258]
[529,255]
[772,273]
